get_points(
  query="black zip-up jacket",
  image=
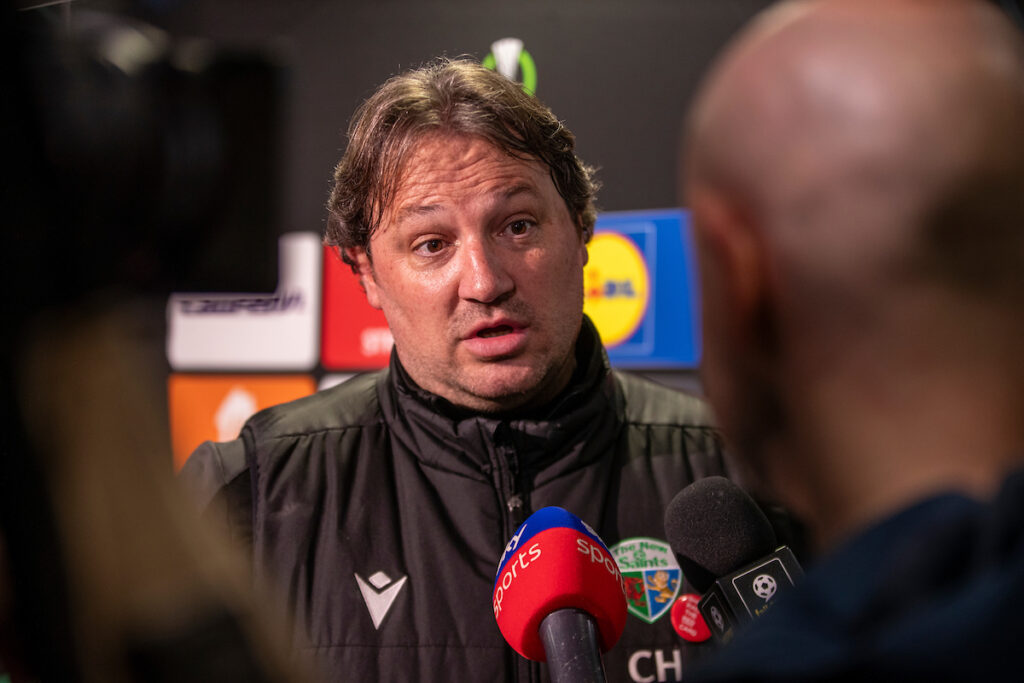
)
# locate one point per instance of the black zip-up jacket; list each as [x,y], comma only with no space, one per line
[381,513]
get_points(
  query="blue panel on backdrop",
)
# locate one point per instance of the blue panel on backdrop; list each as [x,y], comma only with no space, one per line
[641,286]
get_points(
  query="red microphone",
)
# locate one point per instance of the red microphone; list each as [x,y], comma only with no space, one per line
[558,596]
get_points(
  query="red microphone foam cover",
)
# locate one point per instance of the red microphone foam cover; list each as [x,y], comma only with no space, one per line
[558,568]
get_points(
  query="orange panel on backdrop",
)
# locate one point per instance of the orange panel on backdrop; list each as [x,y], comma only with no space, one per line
[214,407]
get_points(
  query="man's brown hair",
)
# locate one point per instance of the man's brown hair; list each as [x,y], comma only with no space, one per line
[446,96]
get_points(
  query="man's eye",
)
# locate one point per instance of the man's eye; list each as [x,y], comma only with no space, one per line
[429,246]
[520,227]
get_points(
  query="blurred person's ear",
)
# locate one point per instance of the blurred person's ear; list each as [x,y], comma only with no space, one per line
[733,264]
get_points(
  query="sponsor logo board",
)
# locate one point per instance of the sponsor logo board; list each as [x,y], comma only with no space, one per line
[277,330]
[641,288]
[214,407]
[356,336]
[616,286]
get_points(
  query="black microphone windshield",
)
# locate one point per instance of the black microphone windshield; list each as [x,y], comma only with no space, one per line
[715,528]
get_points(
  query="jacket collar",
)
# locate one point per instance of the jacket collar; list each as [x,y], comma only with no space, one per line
[579,420]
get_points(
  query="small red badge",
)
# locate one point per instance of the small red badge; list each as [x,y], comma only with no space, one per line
[687,620]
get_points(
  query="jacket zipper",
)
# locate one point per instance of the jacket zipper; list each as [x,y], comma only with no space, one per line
[510,482]
[507,462]
[513,493]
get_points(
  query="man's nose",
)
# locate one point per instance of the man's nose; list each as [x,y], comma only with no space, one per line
[484,276]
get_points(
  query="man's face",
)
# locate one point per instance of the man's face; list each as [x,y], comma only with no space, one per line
[478,268]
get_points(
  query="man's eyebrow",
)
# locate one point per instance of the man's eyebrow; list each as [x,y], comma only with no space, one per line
[410,211]
[518,188]
[415,210]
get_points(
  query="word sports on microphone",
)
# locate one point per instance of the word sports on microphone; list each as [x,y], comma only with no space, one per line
[558,595]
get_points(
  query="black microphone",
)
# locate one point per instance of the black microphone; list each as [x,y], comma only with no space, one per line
[727,549]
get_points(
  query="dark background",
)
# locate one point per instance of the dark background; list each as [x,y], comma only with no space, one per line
[619,74]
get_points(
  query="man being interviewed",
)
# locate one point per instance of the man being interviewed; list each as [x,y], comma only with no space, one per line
[382,506]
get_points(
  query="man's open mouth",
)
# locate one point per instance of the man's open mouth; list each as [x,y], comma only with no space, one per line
[495,331]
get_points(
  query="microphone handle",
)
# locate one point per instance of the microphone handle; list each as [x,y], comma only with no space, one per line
[571,645]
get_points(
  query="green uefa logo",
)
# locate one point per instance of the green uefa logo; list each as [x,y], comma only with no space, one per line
[508,58]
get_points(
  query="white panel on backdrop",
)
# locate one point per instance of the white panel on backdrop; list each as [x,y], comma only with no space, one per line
[278,331]
[334,379]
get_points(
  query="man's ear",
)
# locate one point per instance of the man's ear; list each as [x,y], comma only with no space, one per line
[733,259]
[364,269]
[586,234]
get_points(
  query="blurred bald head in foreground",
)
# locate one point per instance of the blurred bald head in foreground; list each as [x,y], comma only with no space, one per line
[856,176]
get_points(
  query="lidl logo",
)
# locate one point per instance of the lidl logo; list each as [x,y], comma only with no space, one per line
[641,288]
[616,286]
[650,574]
[508,58]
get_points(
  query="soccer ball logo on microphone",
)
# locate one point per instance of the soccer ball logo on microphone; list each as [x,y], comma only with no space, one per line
[764,586]
[717,617]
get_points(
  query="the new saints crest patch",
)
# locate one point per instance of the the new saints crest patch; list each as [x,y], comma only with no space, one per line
[650,574]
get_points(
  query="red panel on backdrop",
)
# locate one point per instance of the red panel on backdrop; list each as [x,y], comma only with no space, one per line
[354,335]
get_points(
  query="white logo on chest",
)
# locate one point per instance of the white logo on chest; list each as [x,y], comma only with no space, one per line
[379,593]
